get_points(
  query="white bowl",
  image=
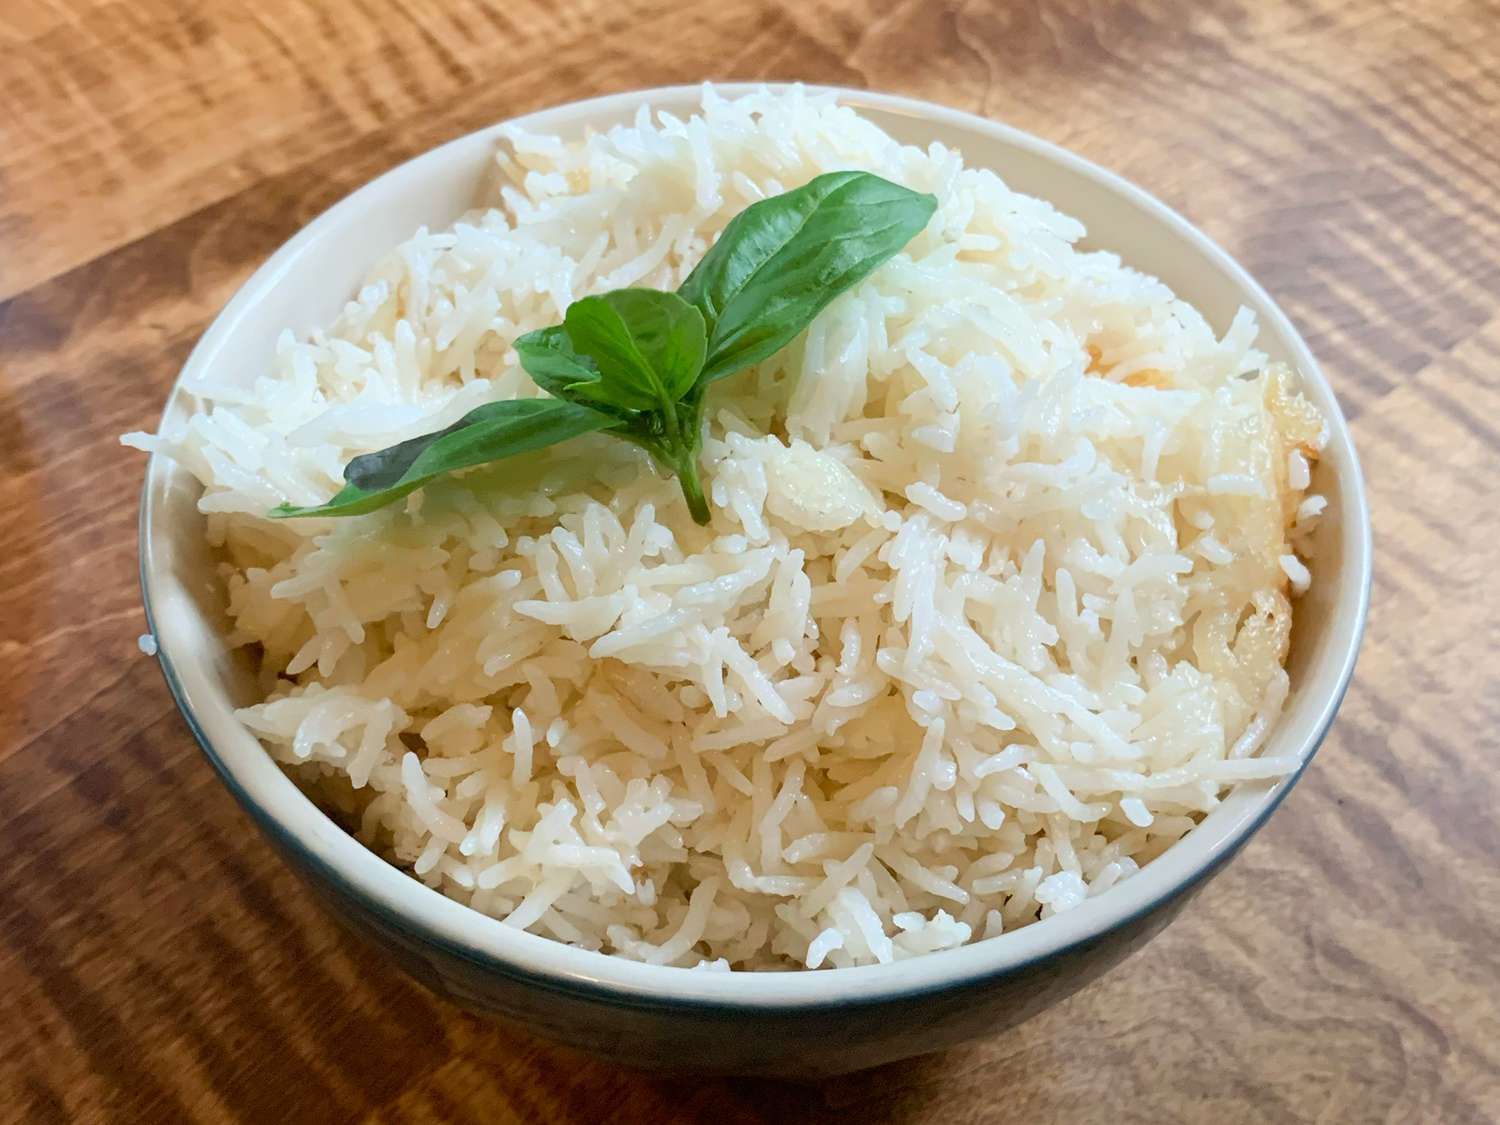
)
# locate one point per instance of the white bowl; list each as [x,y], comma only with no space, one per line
[782,1022]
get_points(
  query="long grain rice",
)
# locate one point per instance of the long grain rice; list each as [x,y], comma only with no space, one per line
[993,607]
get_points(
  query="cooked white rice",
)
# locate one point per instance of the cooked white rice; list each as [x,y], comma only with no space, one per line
[993,607]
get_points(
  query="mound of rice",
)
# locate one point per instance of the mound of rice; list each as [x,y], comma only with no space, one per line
[993,607]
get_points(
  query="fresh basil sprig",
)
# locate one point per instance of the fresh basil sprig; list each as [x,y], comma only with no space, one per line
[635,362]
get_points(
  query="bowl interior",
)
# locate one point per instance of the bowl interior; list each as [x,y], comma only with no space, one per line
[308,280]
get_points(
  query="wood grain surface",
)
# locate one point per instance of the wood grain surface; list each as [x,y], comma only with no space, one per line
[158,964]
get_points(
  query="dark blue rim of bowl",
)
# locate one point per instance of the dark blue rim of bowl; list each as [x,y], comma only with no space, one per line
[712,1009]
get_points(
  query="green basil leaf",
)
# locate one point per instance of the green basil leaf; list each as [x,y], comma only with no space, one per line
[547,355]
[487,433]
[648,347]
[781,261]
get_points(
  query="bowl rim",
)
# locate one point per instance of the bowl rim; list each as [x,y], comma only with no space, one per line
[425,916]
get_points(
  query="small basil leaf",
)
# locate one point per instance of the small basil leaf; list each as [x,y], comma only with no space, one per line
[487,433]
[547,355]
[781,261]
[648,347]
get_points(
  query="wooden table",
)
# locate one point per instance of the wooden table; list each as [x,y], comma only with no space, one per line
[157,963]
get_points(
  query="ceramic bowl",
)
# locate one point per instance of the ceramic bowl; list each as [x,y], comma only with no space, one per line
[795,1023]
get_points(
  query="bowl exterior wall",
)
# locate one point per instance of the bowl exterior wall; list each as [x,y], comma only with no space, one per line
[690,1037]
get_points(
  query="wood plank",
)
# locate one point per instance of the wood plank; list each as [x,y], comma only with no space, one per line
[158,963]
[123,118]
